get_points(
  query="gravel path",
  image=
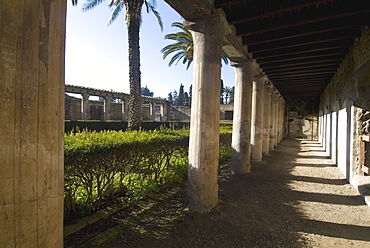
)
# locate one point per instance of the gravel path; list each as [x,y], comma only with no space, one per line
[295,198]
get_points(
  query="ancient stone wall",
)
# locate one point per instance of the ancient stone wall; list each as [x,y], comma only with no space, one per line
[72,108]
[302,127]
[180,113]
[346,103]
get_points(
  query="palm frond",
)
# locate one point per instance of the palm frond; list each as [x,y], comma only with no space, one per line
[189,63]
[183,46]
[116,10]
[178,56]
[152,7]
[225,59]
[90,4]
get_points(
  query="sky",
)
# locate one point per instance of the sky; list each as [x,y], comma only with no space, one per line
[97,54]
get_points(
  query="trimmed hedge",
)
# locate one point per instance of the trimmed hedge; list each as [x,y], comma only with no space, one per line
[100,166]
[122,125]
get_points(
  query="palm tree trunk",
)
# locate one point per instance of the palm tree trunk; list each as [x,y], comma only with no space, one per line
[133,12]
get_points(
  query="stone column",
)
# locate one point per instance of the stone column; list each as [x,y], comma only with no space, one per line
[279,107]
[257,118]
[107,108]
[125,109]
[276,119]
[280,119]
[32,122]
[240,157]
[85,107]
[162,111]
[273,121]
[208,34]
[282,115]
[267,119]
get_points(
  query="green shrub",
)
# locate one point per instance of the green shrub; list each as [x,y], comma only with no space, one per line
[125,165]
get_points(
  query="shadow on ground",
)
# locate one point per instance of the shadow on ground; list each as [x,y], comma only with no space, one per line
[279,204]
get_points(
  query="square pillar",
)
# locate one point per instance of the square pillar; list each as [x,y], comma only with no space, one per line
[107,108]
[208,34]
[32,122]
[152,111]
[241,137]
[85,107]
[125,109]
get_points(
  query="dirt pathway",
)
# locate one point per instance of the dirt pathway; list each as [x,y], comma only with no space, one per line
[295,198]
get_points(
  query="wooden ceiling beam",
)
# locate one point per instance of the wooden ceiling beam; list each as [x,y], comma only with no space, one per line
[318,55]
[299,72]
[300,84]
[276,11]
[296,79]
[276,24]
[278,36]
[226,3]
[302,95]
[302,62]
[309,46]
[301,68]
[302,75]
[323,81]
[301,50]
[307,41]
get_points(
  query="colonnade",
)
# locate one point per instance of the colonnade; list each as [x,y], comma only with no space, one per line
[31,185]
[258,113]
[108,95]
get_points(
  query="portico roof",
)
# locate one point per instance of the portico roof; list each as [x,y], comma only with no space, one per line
[298,44]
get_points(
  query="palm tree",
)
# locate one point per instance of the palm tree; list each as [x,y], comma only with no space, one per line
[228,90]
[133,19]
[183,46]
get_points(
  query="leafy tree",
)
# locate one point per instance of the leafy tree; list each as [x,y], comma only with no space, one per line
[180,97]
[232,94]
[133,20]
[170,98]
[146,92]
[186,99]
[175,98]
[183,46]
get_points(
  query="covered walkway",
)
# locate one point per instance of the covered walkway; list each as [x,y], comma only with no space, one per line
[279,50]
[295,198]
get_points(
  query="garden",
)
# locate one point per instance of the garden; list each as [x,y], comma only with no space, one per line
[117,167]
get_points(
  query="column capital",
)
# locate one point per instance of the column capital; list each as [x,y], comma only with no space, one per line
[260,80]
[241,62]
[257,76]
[211,30]
[204,23]
[85,95]
[268,87]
